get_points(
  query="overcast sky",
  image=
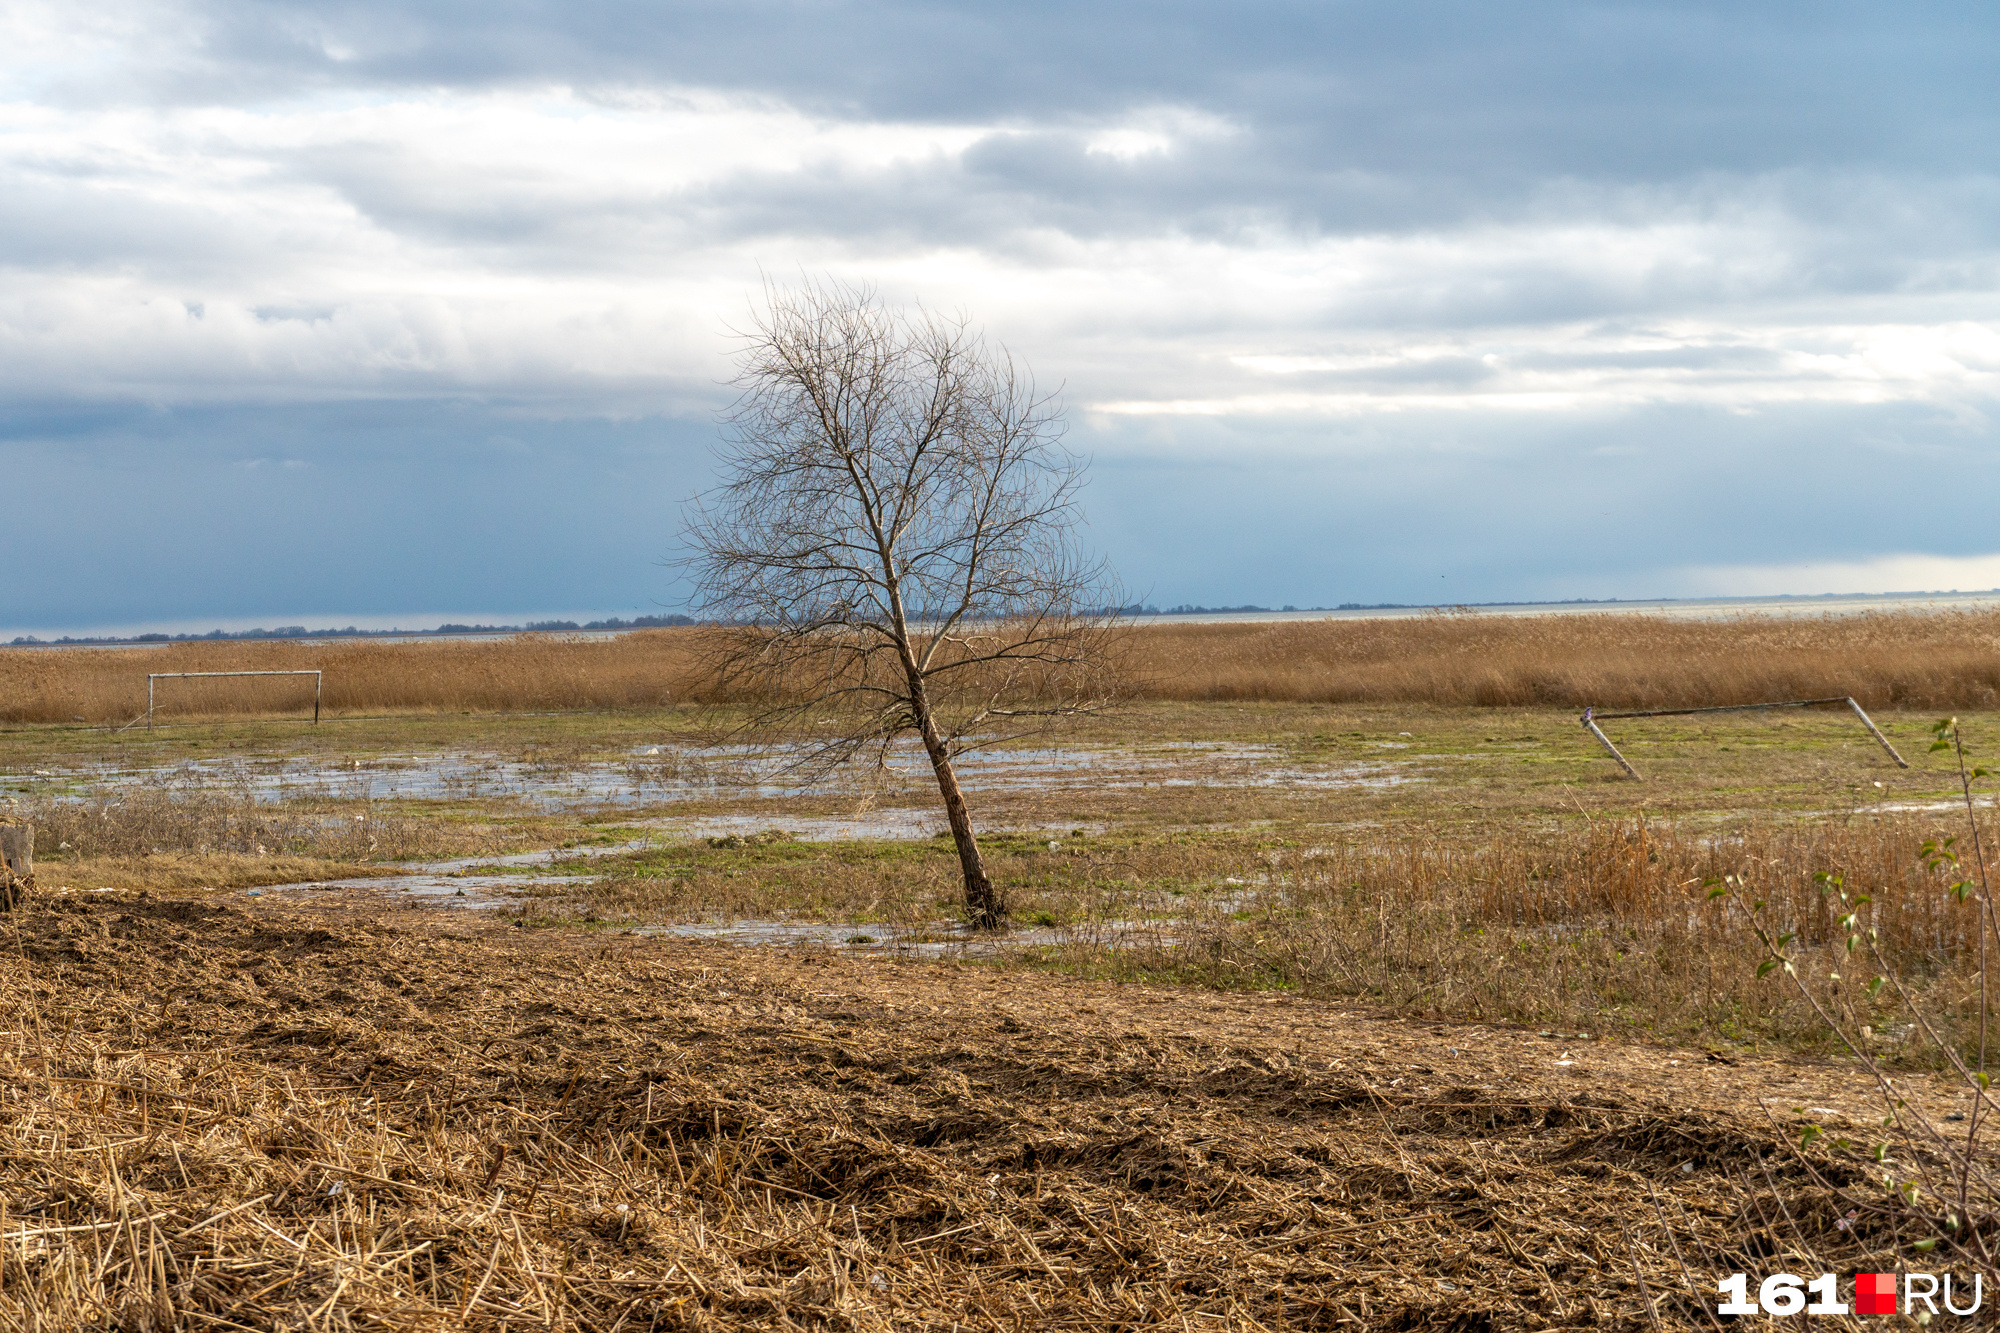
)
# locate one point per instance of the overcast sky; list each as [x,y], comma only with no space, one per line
[398,312]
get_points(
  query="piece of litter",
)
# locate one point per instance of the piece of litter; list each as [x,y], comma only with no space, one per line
[1565,1062]
[1687,1168]
[256,893]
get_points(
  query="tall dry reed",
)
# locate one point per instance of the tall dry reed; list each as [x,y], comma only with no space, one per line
[1945,659]
[1941,660]
[528,672]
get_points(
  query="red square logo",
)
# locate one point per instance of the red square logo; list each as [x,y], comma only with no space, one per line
[1874,1293]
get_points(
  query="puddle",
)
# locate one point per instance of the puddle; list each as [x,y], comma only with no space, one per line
[441,890]
[893,825]
[446,883]
[941,940]
[1926,807]
[547,857]
[654,775]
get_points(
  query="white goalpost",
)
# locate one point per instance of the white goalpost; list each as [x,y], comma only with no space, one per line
[189,675]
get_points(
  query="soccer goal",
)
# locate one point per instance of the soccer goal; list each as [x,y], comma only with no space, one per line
[1591,717]
[153,678]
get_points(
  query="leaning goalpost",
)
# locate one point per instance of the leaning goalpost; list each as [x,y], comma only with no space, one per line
[188,675]
[1591,717]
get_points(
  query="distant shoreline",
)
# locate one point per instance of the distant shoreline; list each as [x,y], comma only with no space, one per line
[1696,608]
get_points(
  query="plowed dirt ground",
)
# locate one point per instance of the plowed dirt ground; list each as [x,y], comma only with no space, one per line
[261,1115]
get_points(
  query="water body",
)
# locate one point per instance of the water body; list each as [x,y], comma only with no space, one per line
[1671,608]
[1688,608]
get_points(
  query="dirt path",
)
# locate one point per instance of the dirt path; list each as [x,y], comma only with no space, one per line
[698,1136]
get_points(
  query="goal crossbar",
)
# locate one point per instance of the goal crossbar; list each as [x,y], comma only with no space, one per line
[1591,717]
[318,680]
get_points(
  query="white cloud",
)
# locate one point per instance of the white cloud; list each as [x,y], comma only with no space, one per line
[1741,367]
[1908,572]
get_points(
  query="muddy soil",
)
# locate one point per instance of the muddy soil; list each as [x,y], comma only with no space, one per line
[640,1133]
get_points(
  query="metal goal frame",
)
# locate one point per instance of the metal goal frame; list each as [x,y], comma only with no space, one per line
[152,676]
[1591,717]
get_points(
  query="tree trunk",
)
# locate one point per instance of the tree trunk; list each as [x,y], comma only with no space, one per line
[984,904]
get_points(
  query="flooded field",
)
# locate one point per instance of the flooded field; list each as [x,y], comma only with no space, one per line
[1226,842]
[663,775]
[641,791]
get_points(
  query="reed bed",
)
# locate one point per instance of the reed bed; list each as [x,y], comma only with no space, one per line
[526,673]
[1947,659]
[1929,660]
[223,1119]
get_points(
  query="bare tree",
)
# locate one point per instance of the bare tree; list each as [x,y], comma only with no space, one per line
[892,549]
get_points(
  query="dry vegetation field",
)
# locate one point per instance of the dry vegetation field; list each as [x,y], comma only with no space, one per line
[1355,987]
[227,1117]
[1941,660]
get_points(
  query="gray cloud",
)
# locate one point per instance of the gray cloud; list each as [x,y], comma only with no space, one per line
[316,305]
[1559,87]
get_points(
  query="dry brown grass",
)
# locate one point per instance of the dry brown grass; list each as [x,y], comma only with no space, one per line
[526,673]
[190,873]
[1598,925]
[214,1118]
[1914,660]
[1593,925]
[150,819]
